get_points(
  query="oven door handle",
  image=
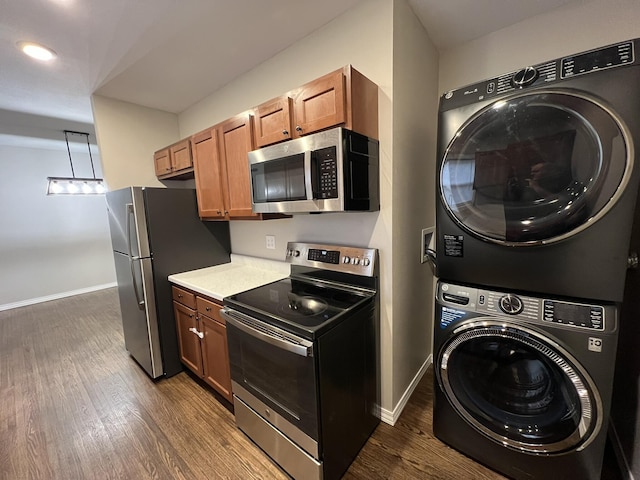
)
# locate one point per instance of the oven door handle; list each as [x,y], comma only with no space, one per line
[304,348]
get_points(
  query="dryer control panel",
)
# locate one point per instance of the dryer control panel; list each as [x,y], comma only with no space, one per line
[533,309]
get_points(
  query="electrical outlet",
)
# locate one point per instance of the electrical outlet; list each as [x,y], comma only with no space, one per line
[271,242]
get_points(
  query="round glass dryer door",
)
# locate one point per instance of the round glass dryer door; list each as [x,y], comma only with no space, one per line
[535,168]
[518,389]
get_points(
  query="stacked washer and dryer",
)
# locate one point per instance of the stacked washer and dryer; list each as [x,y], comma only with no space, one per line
[537,183]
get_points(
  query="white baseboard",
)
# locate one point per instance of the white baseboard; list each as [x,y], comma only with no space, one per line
[32,301]
[391,417]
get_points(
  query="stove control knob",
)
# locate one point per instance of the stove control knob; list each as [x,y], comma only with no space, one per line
[295,253]
[366,262]
[511,304]
[355,261]
[346,259]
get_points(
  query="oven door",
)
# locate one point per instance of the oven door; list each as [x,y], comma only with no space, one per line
[274,372]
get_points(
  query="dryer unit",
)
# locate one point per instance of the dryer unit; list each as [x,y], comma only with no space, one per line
[537,176]
[523,384]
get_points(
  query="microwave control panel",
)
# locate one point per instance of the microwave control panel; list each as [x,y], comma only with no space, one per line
[326,163]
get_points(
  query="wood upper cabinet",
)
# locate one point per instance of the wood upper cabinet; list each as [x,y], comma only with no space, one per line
[344,97]
[210,174]
[162,162]
[175,161]
[236,141]
[320,104]
[272,121]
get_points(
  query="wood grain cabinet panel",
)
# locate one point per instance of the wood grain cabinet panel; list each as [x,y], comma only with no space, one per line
[344,97]
[236,141]
[181,155]
[174,162]
[202,339]
[189,340]
[320,104]
[162,162]
[273,121]
[210,175]
[215,356]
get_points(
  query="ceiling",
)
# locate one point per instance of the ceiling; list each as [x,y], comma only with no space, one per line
[169,54]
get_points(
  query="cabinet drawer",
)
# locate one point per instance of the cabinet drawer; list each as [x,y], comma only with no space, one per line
[210,308]
[184,296]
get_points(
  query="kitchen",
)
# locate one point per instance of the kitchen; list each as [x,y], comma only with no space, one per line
[393,50]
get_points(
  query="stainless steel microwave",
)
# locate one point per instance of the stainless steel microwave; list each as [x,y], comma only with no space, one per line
[334,170]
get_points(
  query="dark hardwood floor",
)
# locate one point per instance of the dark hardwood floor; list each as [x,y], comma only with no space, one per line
[74,405]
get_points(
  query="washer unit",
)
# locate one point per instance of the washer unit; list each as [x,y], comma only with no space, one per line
[523,384]
[537,176]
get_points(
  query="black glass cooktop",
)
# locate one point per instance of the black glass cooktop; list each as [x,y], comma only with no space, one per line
[296,304]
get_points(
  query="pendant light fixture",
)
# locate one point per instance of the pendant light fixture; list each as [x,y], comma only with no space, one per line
[74,185]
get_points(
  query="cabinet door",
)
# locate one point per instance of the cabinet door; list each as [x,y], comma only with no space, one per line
[273,121]
[215,356]
[236,141]
[162,162]
[209,174]
[181,155]
[188,337]
[320,104]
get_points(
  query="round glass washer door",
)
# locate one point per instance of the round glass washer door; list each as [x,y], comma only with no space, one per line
[518,388]
[535,168]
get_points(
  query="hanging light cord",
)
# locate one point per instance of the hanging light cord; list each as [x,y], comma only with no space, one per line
[86,135]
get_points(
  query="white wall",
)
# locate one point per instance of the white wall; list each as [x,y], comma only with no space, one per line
[50,246]
[128,134]
[415,104]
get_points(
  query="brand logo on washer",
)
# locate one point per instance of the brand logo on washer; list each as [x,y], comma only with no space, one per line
[595,344]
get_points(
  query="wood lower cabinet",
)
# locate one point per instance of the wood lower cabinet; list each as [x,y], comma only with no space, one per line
[202,338]
[188,337]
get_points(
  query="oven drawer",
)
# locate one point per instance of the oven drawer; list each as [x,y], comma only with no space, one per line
[286,453]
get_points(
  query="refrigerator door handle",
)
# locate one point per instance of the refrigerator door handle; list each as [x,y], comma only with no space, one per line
[129,215]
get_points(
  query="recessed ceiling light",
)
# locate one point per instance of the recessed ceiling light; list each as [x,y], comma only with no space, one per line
[37,51]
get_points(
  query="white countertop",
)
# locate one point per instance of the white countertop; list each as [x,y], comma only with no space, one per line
[242,273]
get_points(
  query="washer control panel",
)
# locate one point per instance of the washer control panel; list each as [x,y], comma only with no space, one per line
[489,302]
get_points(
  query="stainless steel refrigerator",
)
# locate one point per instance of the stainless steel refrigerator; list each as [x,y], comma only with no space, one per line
[156,232]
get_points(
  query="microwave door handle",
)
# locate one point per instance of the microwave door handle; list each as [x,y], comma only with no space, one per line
[307,174]
[301,350]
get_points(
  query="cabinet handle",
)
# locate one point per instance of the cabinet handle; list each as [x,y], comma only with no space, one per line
[208,309]
[219,212]
[226,212]
[179,295]
[298,128]
[285,132]
[199,334]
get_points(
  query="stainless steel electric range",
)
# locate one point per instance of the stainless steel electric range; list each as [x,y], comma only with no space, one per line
[304,359]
